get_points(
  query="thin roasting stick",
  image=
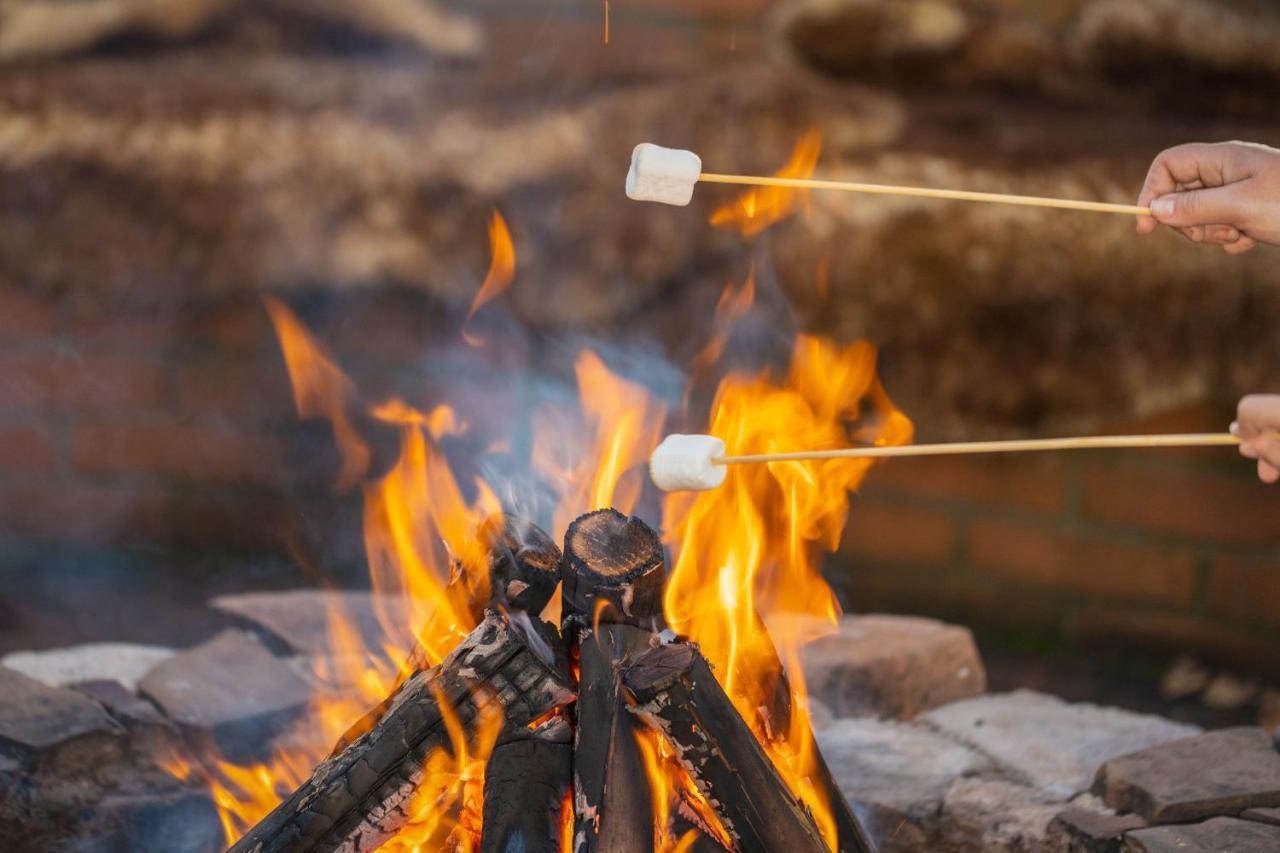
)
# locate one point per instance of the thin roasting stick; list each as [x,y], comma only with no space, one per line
[1094,442]
[926,192]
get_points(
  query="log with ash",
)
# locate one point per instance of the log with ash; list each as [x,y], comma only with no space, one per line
[615,734]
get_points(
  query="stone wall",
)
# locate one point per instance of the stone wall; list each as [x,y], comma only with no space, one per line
[157,187]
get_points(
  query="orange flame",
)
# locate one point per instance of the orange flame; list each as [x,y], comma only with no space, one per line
[621,423]
[427,560]
[502,269]
[673,789]
[320,389]
[756,209]
[748,552]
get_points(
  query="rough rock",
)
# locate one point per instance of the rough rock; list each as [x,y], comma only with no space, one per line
[35,717]
[893,666]
[1047,743]
[300,619]
[230,687]
[1269,711]
[179,822]
[1271,816]
[40,29]
[1215,773]
[125,663]
[1212,836]
[1085,831]
[901,768]
[995,816]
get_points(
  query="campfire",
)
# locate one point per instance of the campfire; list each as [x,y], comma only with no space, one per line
[599,698]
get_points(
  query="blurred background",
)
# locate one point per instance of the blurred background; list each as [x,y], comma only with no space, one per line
[166,164]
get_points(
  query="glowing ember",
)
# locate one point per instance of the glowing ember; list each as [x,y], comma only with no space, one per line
[756,209]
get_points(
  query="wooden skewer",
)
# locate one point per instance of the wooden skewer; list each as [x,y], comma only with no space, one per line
[925,192]
[1094,442]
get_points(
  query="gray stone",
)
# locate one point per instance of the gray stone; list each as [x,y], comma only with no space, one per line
[995,816]
[1220,835]
[1086,831]
[893,666]
[299,619]
[122,662]
[1212,774]
[1271,816]
[1048,743]
[179,822]
[900,766]
[230,687]
[125,706]
[35,717]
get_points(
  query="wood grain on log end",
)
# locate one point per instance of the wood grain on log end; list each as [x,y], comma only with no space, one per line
[615,570]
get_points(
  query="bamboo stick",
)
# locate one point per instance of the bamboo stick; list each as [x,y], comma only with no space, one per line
[926,192]
[1094,442]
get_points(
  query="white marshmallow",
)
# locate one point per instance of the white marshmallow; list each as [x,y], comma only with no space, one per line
[683,463]
[662,174]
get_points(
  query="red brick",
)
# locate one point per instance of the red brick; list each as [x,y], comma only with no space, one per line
[1173,632]
[27,450]
[1085,564]
[193,453]
[1192,504]
[67,383]
[239,391]
[1026,483]
[66,512]
[136,330]
[1245,588]
[26,315]
[884,532]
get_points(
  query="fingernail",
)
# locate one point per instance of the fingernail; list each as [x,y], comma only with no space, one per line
[1162,207]
[1235,428]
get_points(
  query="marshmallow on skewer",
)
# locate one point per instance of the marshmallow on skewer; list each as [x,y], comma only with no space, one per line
[662,174]
[684,463]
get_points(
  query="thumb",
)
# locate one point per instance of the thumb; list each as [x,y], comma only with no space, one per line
[1216,206]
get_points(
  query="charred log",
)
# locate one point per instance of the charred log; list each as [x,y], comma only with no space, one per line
[524,568]
[524,564]
[615,571]
[676,693]
[357,799]
[612,803]
[526,783]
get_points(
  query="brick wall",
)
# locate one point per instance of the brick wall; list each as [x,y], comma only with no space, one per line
[1178,549]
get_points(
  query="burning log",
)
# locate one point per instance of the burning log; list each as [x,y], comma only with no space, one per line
[360,796]
[676,693]
[526,782]
[613,580]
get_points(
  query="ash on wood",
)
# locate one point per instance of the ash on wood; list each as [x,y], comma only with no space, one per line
[676,693]
[615,571]
[356,800]
[527,783]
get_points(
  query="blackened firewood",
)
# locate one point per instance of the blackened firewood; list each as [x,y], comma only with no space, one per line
[774,704]
[524,568]
[612,803]
[524,564]
[527,781]
[358,798]
[615,570]
[675,693]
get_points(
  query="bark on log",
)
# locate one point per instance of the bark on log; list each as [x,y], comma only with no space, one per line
[526,782]
[676,693]
[354,801]
[612,803]
[524,564]
[615,571]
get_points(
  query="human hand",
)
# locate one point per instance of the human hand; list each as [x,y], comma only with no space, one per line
[1226,194]
[1257,424]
